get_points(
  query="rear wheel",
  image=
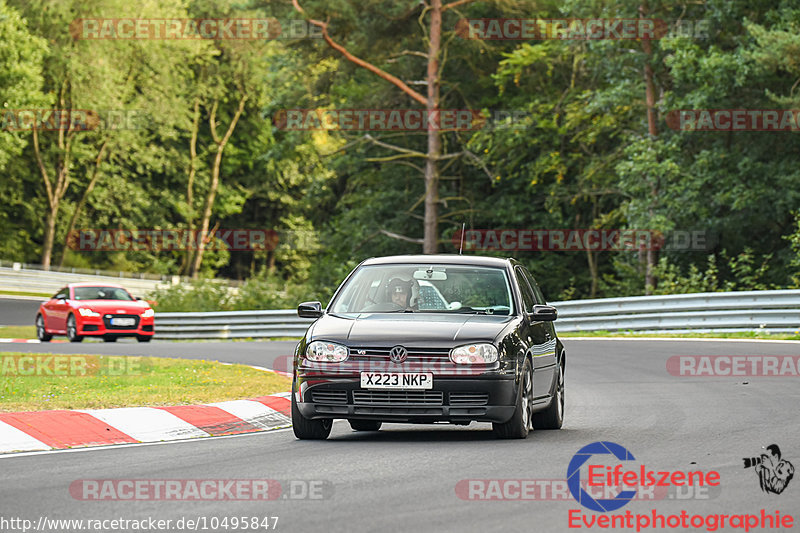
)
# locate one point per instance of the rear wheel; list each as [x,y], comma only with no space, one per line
[41,333]
[553,416]
[306,428]
[520,423]
[72,330]
[365,425]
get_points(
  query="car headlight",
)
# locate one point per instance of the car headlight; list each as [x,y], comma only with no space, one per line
[326,352]
[474,354]
[148,313]
[87,312]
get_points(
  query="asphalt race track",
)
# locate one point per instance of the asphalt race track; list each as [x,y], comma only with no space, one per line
[18,311]
[404,478]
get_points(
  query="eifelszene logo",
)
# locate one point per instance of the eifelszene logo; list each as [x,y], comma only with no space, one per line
[774,473]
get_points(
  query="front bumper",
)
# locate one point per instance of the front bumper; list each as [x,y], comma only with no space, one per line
[100,326]
[485,398]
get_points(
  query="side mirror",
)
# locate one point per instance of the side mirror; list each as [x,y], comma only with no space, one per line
[138,298]
[61,297]
[544,313]
[309,310]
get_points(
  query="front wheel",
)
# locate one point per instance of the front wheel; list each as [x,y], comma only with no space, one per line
[41,333]
[520,423]
[306,428]
[144,338]
[72,330]
[553,416]
[365,425]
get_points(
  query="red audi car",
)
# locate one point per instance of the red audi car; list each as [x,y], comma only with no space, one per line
[94,309]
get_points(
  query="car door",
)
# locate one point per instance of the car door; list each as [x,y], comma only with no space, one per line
[543,339]
[56,311]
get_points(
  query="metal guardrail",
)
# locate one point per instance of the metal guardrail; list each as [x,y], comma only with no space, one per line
[231,325]
[49,282]
[767,311]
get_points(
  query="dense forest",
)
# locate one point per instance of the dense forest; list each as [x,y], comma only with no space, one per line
[565,133]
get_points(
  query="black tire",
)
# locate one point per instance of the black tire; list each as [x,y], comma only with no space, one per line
[520,423]
[365,425]
[41,333]
[109,339]
[306,428]
[553,416]
[144,338]
[72,330]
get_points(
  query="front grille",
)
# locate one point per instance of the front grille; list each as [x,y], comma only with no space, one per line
[397,397]
[107,321]
[329,396]
[372,353]
[469,398]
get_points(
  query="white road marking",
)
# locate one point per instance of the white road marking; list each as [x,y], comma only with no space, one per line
[137,444]
[12,439]
[255,413]
[146,424]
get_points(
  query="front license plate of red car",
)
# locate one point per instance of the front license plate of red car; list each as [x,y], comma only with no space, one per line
[396,380]
[122,322]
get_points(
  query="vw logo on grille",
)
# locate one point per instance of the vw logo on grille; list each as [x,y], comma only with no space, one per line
[398,354]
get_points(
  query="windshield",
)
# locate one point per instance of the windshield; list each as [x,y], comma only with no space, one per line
[101,293]
[426,288]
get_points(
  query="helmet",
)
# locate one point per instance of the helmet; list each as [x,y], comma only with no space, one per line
[410,287]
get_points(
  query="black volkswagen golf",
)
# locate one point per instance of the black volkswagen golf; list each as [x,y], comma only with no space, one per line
[430,338]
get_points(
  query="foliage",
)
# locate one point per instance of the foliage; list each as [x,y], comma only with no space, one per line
[579,152]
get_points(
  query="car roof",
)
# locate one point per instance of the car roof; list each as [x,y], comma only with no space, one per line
[95,284]
[448,259]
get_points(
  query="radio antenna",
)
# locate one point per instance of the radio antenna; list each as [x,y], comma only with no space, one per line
[461,246]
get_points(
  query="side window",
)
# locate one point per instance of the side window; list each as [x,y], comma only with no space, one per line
[527,295]
[62,293]
[537,293]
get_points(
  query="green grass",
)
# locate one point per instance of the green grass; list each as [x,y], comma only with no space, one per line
[104,381]
[25,293]
[18,332]
[737,335]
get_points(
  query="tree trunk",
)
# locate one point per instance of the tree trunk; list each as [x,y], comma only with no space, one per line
[49,236]
[650,281]
[215,170]
[431,103]
[188,257]
[431,233]
[55,192]
[82,202]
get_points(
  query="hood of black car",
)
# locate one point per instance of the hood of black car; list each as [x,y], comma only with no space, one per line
[410,329]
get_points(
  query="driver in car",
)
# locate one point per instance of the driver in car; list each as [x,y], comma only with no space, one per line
[400,293]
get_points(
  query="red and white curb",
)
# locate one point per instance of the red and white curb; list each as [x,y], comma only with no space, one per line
[27,341]
[62,429]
